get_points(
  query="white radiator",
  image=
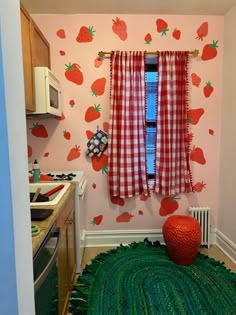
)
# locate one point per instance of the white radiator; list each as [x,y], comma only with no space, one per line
[202,214]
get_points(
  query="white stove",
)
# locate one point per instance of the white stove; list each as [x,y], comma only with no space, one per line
[80,180]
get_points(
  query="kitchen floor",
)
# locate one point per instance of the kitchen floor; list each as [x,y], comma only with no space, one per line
[213,251]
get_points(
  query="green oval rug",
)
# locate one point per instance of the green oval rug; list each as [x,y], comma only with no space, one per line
[140,279]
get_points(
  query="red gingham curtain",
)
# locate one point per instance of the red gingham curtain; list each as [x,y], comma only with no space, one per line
[173,174]
[127,174]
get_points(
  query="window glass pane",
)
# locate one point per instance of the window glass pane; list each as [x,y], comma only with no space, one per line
[151,84]
[150,145]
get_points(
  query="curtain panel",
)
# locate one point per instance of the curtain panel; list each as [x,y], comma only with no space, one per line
[127,171]
[173,173]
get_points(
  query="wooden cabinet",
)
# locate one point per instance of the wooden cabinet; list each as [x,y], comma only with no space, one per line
[40,47]
[27,60]
[66,254]
[35,52]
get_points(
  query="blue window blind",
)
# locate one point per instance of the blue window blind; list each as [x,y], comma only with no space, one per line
[151,90]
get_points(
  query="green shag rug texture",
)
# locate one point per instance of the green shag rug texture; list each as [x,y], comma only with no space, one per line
[140,279]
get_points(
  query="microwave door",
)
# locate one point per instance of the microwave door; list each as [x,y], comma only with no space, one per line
[53,97]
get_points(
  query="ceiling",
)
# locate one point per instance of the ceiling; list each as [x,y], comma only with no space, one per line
[183,7]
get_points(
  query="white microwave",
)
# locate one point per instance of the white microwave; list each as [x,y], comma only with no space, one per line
[47,93]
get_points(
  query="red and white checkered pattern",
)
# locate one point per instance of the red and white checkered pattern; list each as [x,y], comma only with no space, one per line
[173,174]
[127,173]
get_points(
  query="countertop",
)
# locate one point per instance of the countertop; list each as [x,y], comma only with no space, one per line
[46,224]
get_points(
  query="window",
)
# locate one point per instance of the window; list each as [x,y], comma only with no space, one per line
[151,86]
[171,173]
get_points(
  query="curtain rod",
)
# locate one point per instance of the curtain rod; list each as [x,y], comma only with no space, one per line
[106,54]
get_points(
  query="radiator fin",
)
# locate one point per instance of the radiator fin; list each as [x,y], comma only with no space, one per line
[202,214]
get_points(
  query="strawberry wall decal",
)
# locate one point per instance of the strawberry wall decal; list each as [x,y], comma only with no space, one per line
[97,62]
[94,186]
[190,137]
[106,126]
[98,87]
[194,115]
[211,132]
[197,155]
[97,220]
[196,80]
[74,153]
[92,113]
[100,163]
[116,200]
[143,197]
[62,52]
[176,34]
[169,205]
[62,117]
[208,89]
[66,134]
[85,34]
[198,187]
[119,28]
[140,212]
[39,131]
[30,151]
[89,134]
[61,33]
[72,103]
[202,31]
[74,74]
[46,154]
[162,26]
[124,217]
[209,51]
[148,39]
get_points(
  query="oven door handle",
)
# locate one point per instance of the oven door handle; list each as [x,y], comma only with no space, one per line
[40,279]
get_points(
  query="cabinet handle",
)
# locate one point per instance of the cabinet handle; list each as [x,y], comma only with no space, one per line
[70,221]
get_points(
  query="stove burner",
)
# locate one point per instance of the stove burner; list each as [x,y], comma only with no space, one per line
[61,177]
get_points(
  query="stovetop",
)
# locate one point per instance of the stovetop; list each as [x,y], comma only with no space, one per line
[62,176]
[75,176]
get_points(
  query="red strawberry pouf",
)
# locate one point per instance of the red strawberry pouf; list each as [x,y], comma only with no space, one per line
[182,235]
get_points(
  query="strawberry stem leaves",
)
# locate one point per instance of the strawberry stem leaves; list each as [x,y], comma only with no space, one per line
[214,44]
[97,108]
[104,170]
[174,197]
[91,30]
[69,67]
[163,32]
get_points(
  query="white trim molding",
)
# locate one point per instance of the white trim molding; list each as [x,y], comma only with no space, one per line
[117,237]
[226,245]
[113,238]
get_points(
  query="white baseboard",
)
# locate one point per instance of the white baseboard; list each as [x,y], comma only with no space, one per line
[226,245]
[116,237]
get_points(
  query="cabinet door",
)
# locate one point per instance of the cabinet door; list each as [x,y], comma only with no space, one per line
[40,47]
[67,253]
[27,60]
[63,279]
[71,247]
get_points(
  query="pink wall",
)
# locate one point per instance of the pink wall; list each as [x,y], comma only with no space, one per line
[53,150]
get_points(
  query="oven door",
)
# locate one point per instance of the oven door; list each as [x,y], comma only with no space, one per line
[46,275]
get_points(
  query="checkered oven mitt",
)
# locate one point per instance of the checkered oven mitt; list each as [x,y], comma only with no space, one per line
[97,144]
